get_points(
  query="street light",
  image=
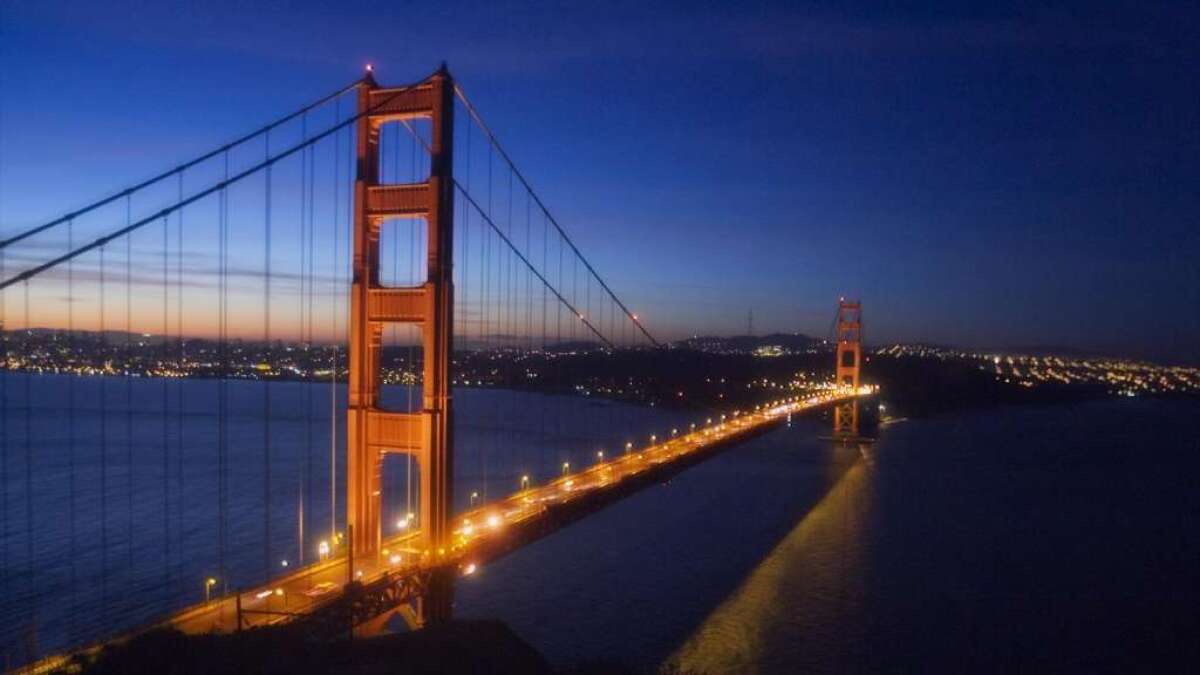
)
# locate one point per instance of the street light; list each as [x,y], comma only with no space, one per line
[566,466]
[323,549]
[208,584]
[628,447]
[599,455]
[474,496]
[525,482]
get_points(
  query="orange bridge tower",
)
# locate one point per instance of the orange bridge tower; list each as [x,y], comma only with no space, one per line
[371,431]
[849,363]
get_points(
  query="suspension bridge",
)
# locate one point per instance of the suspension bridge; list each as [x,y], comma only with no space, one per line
[315,375]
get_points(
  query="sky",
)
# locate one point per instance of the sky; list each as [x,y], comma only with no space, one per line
[986,176]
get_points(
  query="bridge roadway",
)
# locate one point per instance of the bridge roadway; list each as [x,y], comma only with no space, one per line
[487,532]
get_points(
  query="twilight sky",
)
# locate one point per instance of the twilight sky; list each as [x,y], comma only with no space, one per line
[1024,175]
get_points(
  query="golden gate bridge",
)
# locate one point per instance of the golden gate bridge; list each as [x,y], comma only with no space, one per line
[265,349]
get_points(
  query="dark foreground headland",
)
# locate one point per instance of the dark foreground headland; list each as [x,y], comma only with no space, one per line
[456,647]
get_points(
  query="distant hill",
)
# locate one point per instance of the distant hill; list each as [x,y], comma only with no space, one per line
[796,342]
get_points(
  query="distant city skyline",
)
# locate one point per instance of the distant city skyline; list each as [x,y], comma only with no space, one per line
[985,178]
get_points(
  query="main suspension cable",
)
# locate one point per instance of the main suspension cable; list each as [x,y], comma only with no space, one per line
[474,113]
[525,260]
[223,184]
[178,169]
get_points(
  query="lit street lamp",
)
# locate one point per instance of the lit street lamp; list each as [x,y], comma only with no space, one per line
[566,466]
[525,482]
[474,496]
[208,584]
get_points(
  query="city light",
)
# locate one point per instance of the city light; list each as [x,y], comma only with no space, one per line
[323,549]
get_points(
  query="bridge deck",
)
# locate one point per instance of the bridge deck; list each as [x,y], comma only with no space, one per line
[490,531]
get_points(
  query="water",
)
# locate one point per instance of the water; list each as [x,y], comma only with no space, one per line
[1057,538]
[110,487]
[1046,539]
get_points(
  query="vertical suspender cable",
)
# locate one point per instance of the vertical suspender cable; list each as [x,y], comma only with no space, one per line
[103,443]
[487,320]
[71,424]
[348,265]
[166,437]
[465,284]
[267,359]
[222,384]
[182,360]
[337,159]
[31,587]
[545,354]
[129,383]
[306,339]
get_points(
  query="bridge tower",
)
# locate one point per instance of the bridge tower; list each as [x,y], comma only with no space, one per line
[372,431]
[849,363]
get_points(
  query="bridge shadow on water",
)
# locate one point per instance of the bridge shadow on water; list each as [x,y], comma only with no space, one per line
[693,561]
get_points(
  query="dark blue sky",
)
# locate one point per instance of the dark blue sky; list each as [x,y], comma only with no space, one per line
[987,177]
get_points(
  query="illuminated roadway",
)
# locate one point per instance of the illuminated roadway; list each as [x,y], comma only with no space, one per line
[479,534]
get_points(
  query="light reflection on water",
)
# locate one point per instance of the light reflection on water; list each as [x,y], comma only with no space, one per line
[1016,539]
[823,551]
